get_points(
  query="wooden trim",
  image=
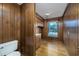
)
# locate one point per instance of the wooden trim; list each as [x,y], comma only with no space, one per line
[56,18]
[65,10]
[41,18]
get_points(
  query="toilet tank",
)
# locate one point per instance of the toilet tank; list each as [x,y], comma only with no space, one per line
[8,47]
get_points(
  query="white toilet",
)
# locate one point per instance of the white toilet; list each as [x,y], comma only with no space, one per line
[15,53]
[9,49]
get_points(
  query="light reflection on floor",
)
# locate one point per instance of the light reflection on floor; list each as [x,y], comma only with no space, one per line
[54,48]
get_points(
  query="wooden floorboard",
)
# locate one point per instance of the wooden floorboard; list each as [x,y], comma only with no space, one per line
[52,48]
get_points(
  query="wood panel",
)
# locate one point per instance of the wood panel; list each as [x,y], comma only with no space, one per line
[78,29]
[28,12]
[73,31]
[77,52]
[17,24]
[65,34]
[0,23]
[45,30]
[38,19]
[22,41]
[11,22]
[39,30]
[6,23]
[70,29]
[78,24]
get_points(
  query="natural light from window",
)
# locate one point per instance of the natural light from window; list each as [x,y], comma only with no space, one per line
[53,29]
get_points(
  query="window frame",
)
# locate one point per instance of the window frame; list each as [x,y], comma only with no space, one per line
[57,28]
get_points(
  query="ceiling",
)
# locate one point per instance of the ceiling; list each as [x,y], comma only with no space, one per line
[50,10]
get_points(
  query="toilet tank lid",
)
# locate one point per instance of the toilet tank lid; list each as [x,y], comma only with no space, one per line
[8,47]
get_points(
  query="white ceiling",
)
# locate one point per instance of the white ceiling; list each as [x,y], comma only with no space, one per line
[50,10]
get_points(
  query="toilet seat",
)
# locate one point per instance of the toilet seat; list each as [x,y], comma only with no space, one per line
[15,53]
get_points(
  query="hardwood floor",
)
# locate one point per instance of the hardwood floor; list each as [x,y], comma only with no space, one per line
[54,48]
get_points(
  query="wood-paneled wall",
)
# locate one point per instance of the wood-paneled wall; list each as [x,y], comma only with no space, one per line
[60,29]
[1,23]
[40,20]
[39,30]
[9,22]
[71,39]
[27,29]
[78,29]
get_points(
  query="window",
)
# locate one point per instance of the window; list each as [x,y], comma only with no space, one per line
[53,29]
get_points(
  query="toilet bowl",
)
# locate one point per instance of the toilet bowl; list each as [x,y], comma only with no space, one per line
[15,53]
